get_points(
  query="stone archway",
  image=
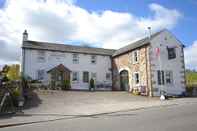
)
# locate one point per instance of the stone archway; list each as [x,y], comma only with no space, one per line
[124,80]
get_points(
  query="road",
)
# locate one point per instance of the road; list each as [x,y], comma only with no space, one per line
[181,117]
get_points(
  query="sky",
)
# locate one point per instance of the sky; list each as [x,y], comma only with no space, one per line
[98,23]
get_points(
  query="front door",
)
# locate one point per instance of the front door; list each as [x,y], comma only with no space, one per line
[124,80]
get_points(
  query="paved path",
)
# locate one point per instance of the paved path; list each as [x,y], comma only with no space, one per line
[48,106]
[182,117]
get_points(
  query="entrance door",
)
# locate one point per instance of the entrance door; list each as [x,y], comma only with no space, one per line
[124,80]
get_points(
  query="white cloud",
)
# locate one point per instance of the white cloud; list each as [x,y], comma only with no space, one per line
[61,20]
[191,56]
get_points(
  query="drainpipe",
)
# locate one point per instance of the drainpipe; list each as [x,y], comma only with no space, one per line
[112,74]
[150,75]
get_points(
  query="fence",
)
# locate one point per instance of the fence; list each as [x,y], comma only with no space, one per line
[6,101]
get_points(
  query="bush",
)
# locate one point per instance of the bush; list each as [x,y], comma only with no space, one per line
[15,96]
[189,90]
[66,85]
[92,84]
[136,91]
[35,81]
[5,79]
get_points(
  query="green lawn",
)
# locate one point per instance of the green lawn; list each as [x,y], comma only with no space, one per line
[191,78]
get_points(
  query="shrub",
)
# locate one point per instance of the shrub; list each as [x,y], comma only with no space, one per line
[189,90]
[92,84]
[15,96]
[66,85]
[136,91]
[5,79]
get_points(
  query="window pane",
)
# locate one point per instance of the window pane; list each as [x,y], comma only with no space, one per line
[93,59]
[169,77]
[135,56]
[41,56]
[93,75]
[75,58]
[159,77]
[108,76]
[75,76]
[86,77]
[40,74]
[171,53]
[136,78]
[163,80]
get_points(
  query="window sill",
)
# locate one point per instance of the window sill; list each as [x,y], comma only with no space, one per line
[136,85]
[135,62]
[172,59]
[75,82]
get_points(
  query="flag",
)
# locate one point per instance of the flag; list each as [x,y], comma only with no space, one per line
[157,52]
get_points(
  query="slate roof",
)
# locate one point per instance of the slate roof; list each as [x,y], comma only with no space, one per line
[136,44]
[66,48]
[89,50]
[60,67]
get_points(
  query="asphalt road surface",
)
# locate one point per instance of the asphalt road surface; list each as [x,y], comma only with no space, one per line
[169,118]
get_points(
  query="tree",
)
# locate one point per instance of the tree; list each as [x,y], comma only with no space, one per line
[5,69]
[14,72]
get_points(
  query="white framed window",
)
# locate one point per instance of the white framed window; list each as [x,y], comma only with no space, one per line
[108,76]
[94,75]
[85,76]
[136,78]
[93,59]
[169,77]
[41,56]
[160,77]
[135,56]
[171,53]
[75,58]
[75,76]
[40,74]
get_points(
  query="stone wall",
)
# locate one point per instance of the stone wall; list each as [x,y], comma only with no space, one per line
[125,62]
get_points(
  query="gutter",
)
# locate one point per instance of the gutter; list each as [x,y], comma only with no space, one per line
[114,56]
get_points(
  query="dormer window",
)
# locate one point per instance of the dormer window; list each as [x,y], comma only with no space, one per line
[93,59]
[171,53]
[135,56]
[75,58]
[41,56]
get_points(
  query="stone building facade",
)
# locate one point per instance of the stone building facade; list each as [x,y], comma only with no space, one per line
[126,62]
[151,66]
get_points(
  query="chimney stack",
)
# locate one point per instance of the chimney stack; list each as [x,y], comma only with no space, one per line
[149,33]
[25,35]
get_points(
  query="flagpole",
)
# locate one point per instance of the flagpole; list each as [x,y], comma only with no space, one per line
[160,68]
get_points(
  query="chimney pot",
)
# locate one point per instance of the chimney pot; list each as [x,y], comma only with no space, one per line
[149,33]
[25,35]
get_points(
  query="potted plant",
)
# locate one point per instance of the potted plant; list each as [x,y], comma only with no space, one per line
[66,85]
[92,85]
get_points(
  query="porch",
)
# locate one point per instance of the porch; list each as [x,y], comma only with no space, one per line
[59,77]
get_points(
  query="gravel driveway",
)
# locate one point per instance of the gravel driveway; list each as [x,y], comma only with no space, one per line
[85,103]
